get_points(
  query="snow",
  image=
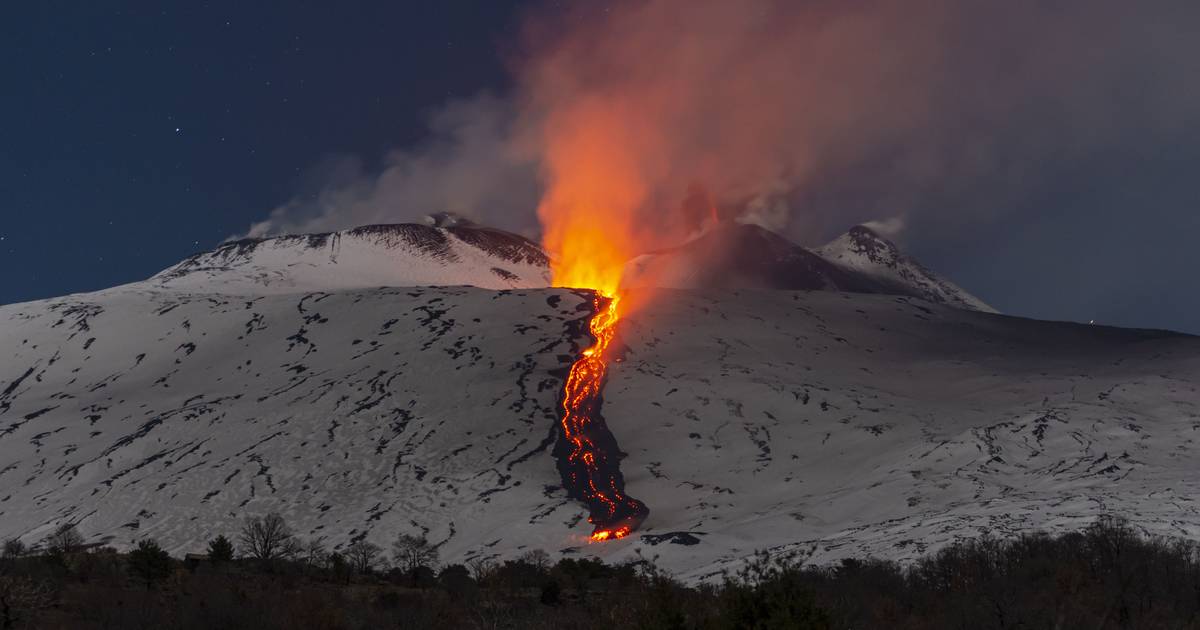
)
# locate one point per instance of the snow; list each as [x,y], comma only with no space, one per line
[852,425]
[369,256]
[864,251]
[818,423]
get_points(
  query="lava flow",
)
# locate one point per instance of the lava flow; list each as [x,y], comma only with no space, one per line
[588,456]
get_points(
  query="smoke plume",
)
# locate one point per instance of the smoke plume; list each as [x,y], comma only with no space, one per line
[806,116]
[469,165]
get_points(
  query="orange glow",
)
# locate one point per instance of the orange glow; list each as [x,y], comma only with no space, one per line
[601,535]
[596,167]
[593,468]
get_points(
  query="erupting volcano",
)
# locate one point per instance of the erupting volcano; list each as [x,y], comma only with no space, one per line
[595,186]
[588,257]
[588,456]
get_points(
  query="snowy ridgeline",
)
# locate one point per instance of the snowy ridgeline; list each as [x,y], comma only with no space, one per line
[405,254]
[802,421]
[401,254]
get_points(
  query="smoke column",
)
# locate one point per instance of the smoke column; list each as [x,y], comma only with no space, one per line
[803,115]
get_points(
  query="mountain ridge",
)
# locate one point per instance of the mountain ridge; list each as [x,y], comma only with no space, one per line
[401,254]
[452,251]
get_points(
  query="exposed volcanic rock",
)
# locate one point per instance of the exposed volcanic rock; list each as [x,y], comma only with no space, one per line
[734,255]
[399,236]
[505,245]
[587,454]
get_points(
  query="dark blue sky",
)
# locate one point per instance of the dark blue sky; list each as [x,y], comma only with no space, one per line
[132,135]
[137,133]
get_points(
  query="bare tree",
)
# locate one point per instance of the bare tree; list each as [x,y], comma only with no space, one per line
[363,556]
[411,552]
[13,548]
[267,538]
[481,568]
[314,554]
[63,540]
[293,549]
[537,558]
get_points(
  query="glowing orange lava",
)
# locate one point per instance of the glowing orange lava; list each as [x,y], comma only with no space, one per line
[592,464]
[594,187]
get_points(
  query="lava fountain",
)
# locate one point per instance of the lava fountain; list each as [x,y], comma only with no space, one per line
[587,256]
[594,168]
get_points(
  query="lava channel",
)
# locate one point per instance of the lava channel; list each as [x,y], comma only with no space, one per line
[587,454]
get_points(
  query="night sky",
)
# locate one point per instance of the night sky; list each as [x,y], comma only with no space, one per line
[133,136]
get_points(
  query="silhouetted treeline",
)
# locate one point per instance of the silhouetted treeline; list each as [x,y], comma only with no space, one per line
[1106,576]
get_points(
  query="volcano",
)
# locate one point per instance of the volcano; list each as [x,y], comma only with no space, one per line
[746,256]
[448,252]
[864,251]
[325,378]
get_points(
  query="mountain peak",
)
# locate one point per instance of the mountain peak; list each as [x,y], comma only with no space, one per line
[452,252]
[869,243]
[863,250]
[737,255]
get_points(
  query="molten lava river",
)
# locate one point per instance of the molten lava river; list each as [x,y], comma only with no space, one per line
[588,456]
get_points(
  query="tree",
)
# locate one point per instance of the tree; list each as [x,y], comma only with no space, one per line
[413,552]
[21,598]
[13,548]
[363,556]
[770,593]
[482,569]
[293,548]
[149,562]
[314,554]
[537,558]
[339,567]
[551,593]
[220,550]
[266,538]
[63,540]
[456,580]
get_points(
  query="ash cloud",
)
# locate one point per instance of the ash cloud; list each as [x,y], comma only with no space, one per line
[944,118]
[927,110]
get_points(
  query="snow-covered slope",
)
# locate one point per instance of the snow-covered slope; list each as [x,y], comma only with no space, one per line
[148,413]
[844,424]
[405,254]
[864,251]
[870,425]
